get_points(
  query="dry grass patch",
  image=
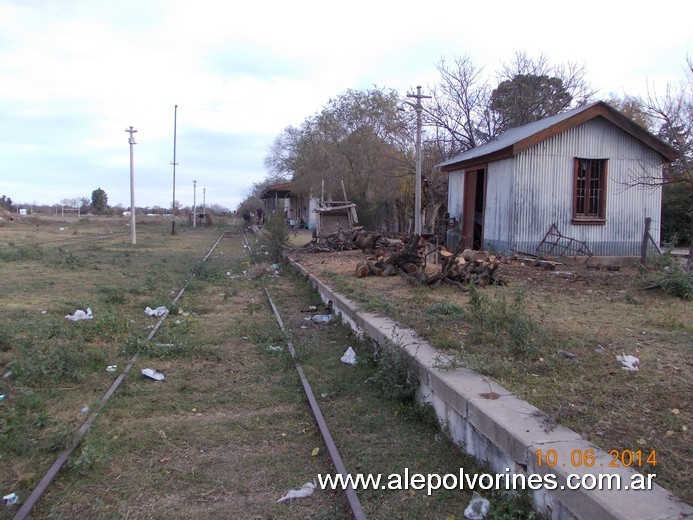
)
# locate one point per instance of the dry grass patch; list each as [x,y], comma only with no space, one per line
[594,315]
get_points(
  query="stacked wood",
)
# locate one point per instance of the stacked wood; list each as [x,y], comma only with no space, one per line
[350,239]
[459,268]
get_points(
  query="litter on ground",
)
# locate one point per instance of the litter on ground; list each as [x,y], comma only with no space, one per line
[478,507]
[322,318]
[153,374]
[158,312]
[630,363]
[349,357]
[305,491]
[111,368]
[80,315]
[10,499]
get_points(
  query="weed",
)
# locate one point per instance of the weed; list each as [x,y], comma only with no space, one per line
[497,322]
[396,373]
[41,363]
[91,453]
[274,238]
[20,253]
[677,282]
[446,309]
[113,295]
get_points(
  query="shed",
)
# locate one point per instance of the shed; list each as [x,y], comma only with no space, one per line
[573,172]
[284,197]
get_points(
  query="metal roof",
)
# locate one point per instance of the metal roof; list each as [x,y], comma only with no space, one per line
[517,139]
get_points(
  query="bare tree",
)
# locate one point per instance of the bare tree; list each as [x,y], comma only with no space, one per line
[458,111]
[673,113]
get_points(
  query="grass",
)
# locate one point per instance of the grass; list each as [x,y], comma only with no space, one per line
[229,430]
[514,335]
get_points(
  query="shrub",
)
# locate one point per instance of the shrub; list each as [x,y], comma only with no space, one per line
[396,373]
[507,325]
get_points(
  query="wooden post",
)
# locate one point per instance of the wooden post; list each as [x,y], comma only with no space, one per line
[645,239]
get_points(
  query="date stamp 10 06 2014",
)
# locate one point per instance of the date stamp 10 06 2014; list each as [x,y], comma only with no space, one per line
[587,458]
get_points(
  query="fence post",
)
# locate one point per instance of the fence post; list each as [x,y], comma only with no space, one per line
[645,239]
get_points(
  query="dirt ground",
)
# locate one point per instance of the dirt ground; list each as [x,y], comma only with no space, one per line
[592,314]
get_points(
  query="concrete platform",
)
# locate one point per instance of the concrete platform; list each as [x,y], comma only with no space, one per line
[500,429]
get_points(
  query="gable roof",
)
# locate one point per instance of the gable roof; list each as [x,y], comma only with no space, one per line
[518,139]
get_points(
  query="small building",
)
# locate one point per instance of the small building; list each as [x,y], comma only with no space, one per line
[575,172]
[285,198]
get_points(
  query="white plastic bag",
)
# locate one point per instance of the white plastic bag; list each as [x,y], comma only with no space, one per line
[158,312]
[478,507]
[80,315]
[349,357]
[630,363]
[153,374]
[305,491]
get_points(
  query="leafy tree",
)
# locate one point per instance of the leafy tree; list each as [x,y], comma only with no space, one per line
[6,202]
[354,144]
[532,89]
[99,201]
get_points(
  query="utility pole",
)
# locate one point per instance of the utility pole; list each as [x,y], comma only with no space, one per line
[194,204]
[204,203]
[417,195]
[132,142]
[174,163]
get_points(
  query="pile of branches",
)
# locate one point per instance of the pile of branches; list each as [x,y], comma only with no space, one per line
[459,268]
[350,239]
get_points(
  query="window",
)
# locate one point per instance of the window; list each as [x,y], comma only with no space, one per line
[589,191]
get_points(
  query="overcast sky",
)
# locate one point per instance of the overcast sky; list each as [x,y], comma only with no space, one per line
[74,74]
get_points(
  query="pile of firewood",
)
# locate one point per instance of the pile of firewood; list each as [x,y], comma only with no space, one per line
[459,268]
[349,239]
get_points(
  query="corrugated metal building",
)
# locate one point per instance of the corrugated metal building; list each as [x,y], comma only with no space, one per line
[575,170]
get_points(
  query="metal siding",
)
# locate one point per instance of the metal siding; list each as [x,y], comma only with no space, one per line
[455,194]
[499,210]
[544,189]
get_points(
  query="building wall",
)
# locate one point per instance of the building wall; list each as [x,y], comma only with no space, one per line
[528,193]
[544,195]
[499,216]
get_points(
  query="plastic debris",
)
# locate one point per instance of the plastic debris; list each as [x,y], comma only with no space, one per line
[349,357]
[2,397]
[310,308]
[80,315]
[153,374]
[10,499]
[85,409]
[478,507]
[565,354]
[158,312]
[322,318]
[111,368]
[305,491]
[275,348]
[630,363]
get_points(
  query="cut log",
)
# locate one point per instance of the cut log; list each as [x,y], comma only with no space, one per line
[362,270]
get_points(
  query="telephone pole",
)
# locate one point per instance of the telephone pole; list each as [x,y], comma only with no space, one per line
[418,108]
[174,163]
[194,204]
[204,203]
[133,232]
